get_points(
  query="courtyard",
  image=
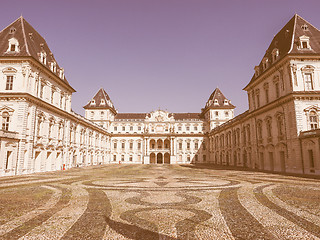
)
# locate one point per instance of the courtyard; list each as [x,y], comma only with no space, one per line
[158,202]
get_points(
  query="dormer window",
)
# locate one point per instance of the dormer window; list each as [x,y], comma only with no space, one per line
[102,102]
[304,27]
[226,102]
[265,63]
[216,102]
[13,45]
[304,42]
[61,73]
[43,58]
[275,54]
[93,102]
[53,67]
[13,48]
[257,71]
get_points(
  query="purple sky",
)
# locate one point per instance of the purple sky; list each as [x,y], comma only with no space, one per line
[158,53]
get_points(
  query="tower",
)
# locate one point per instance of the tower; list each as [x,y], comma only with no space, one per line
[100,109]
[218,109]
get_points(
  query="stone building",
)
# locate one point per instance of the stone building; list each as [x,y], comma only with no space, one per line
[159,136]
[279,132]
[39,131]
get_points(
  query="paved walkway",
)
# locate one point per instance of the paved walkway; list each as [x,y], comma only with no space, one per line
[159,202]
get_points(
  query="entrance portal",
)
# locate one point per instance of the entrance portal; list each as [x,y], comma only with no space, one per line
[152,158]
[159,158]
[167,158]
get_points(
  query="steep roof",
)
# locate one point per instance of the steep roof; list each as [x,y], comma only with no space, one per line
[130,116]
[287,42]
[186,116]
[101,101]
[31,43]
[217,101]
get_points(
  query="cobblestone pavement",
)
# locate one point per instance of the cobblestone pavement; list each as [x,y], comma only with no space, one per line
[158,202]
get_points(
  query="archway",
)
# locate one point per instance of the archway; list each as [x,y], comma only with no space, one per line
[166,144]
[159,144]
[159,158]
[245,158]
[167,158]
[152,144]
[152,158]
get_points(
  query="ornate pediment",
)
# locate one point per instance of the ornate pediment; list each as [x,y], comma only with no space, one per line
[159,116]
[6,109]
[313,107]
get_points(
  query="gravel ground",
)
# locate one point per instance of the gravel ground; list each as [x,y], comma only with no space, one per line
[159,202]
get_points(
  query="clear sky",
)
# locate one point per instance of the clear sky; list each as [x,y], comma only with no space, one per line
[158,53]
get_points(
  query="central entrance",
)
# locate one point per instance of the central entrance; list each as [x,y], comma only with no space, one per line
[159,151]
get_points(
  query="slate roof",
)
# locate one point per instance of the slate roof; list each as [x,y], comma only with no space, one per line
[31,43]
[217,95]
[186,116]
[130,116]
[287,41]
[177,116]
[106,104]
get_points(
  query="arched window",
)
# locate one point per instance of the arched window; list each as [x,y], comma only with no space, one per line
[259,129]
[280,125]
[313,118]
[5,121]
[269,127]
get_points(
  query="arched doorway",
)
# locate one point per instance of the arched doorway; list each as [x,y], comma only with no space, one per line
[159,158]
[152,158]
[167,158]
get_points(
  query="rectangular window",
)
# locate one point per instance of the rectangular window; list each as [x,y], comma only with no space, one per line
[9,83]
[131,146]
[267,95]
[258,100]
[188,128]
[130,159]
[180,146]
[115,129]
[204,145]
[115,145]
[195,128]
[8,159]
[188,145]
[179,128]
[114,158]
[271,161]
[5,121]
[196,145]
[139,128]
[308,81]
[41,90]
[123,145]
[139,146]
[122,158]
[13,48]
[311,160]
[131,128]
[123,128]
[277,89]
[188,158]
[304,44]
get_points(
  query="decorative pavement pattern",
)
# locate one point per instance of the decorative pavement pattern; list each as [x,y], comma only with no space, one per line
[159,202]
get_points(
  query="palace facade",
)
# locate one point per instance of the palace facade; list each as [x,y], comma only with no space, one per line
[280,131]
